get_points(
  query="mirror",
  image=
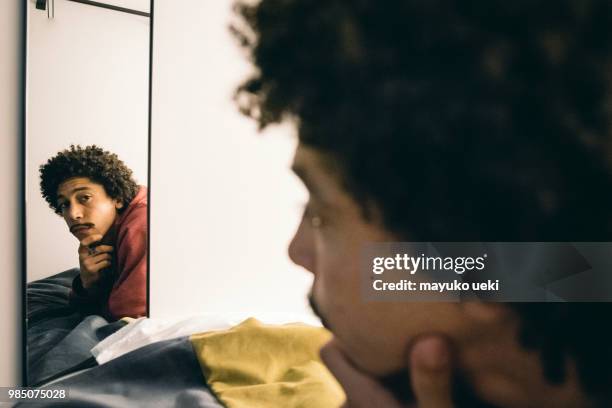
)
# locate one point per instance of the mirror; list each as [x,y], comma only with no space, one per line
[86,171]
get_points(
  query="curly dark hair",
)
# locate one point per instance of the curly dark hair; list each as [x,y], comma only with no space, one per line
[472,120]
[93,162]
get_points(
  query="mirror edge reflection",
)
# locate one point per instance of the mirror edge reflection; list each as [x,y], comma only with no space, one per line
[22,164]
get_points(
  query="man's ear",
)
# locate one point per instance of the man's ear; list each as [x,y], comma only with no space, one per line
[118,204]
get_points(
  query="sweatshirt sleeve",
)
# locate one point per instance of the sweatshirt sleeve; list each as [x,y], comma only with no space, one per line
[128,297]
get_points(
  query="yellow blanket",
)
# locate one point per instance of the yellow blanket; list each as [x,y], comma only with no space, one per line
[253,365]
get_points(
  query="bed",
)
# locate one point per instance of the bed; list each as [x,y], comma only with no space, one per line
[200,361]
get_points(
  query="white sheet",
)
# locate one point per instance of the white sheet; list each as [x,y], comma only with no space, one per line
[143,331]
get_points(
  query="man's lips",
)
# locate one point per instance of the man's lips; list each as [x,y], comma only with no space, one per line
[80,227]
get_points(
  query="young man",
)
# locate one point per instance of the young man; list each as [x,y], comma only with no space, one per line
[445,121]
[104,208]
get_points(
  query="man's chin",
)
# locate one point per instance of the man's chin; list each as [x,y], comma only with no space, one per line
[80,234]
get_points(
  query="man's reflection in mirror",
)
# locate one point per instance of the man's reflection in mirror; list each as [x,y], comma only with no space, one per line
[106,211]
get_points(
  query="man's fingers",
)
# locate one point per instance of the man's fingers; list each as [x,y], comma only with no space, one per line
[93,261]
[93,268]
[430,370]
[100,249]
[89,252]
[361,390]
[88,240]
[101,257]
[103,264]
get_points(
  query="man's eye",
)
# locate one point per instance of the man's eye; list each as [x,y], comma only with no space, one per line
[62,206]
[84,198]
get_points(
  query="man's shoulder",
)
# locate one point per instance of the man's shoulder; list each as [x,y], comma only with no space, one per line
[141,197]
[135,215]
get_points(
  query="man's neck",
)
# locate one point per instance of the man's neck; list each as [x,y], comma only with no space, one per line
[110,238]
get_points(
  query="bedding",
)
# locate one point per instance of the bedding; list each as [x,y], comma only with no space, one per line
[143,331]
[254,365]
[249,365]
[60,337]
[162,374]
[222,365]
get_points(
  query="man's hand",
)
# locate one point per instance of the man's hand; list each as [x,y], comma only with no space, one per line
[430,373]
[91,262]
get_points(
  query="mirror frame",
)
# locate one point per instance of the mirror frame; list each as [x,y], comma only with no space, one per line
[23,154]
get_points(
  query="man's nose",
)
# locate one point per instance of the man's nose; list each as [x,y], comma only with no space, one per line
[76,212]
[301,249]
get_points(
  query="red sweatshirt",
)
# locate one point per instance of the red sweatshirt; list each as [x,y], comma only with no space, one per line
[126,280]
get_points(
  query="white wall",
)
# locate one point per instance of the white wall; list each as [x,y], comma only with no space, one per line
[224,203]
[10,162]
[87,83]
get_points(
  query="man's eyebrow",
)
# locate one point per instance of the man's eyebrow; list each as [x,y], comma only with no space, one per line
[72,192]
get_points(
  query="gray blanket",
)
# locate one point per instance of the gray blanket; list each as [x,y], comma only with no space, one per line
[162,374]
[60,337]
